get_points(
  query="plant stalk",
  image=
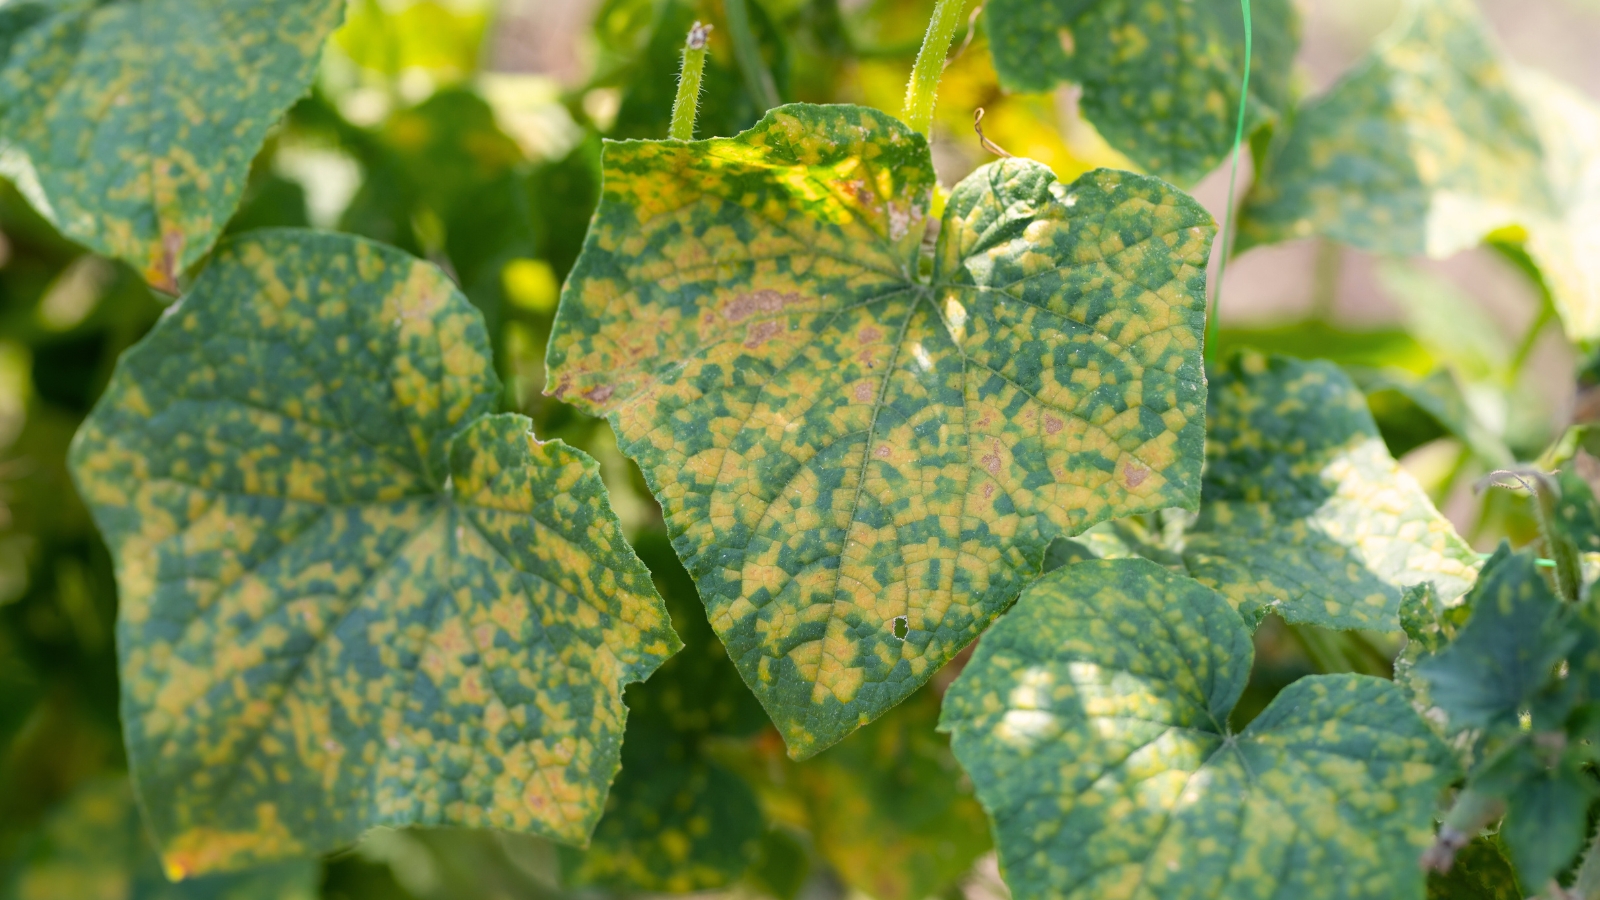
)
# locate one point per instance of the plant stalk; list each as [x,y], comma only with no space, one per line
[747,51]
[687,104]
[923,88]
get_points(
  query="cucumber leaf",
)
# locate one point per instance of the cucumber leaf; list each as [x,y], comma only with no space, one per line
[860,463]
[1160,80]
[94,846]
[1093,720]
[131,124]
[351,596]
[677,820]
[1507,650]
[1435,142]
[1306,514]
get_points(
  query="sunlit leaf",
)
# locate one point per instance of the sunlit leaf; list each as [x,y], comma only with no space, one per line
[861,466]
[94,847]
[1160,80]
[131,124]
[349,595]
[1306,514]
[1565,243]
[1093,719]
[1434,143]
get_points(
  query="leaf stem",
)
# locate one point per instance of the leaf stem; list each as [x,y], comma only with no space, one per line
[1519,358]
[747,50]
[923,87]
[687,104]
[1233,178]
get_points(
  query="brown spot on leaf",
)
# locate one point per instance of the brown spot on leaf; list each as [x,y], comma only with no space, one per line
[991,460]
[600,394]
[864,391]
[763,301]
[883,451]
[1134,474]
[1052,424]
[869,334]
[761,332]
[988,489]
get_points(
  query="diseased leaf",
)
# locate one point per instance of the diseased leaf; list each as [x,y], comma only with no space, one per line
[861,467]
[888,807]
[1160,80]
[677,820]
[1480,872]
[94,846]
[1305,513]
[1093,720]
[1434,143]
[1506,651]
[1562,241]
[1420,149]
[349,595]
[130,124]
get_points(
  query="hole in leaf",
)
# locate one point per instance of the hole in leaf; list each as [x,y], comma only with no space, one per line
[902,627]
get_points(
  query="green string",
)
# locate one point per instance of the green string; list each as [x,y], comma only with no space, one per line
[1233,178]
[1544,563]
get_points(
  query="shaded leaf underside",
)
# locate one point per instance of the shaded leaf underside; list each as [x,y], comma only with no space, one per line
[844,450]
[349,596]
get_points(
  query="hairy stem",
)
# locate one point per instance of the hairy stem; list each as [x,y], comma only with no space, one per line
[687,104]
[923,87]
[747,51]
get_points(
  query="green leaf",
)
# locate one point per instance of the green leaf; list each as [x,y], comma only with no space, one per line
[1420,149]
[1160,80]
[1506,651]
[677,820]
[1480,872]
[1405,406]
[1434,143]
[94,846]
[1448,321]
[350,596]
[1577,513]
[1093,719]
[1547,820]
[889,809]
[1305,512]
[130,124]
[1561,240]
[840,445]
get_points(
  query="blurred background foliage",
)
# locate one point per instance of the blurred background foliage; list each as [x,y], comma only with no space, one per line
[469,133]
